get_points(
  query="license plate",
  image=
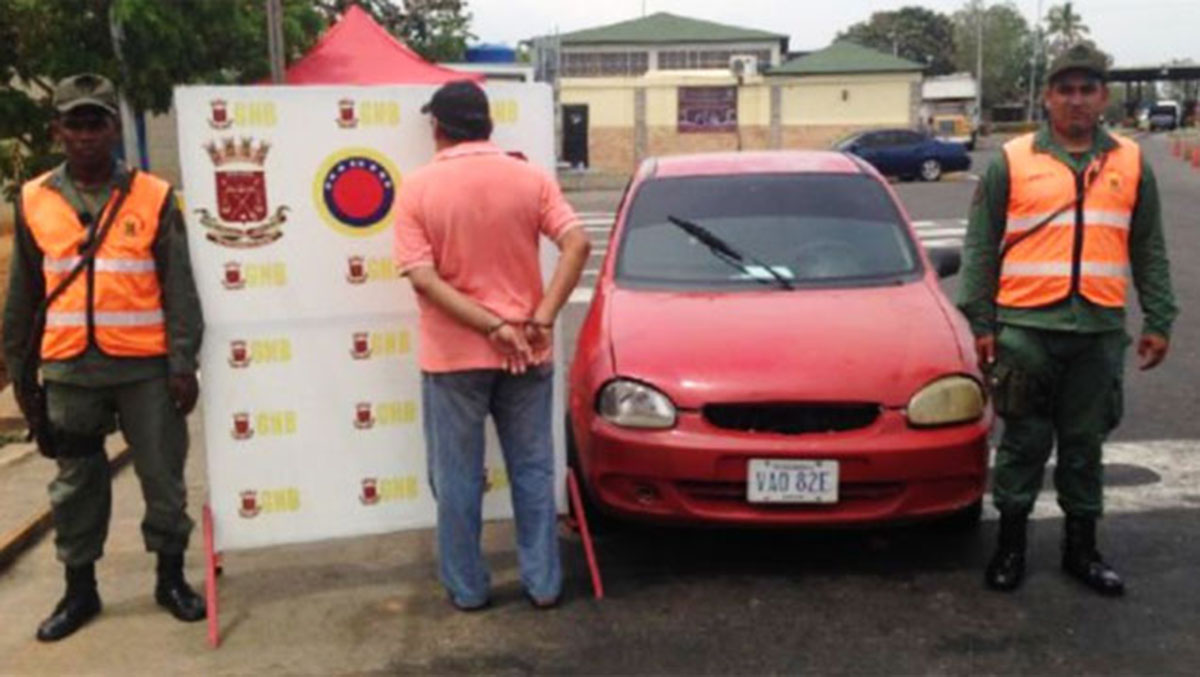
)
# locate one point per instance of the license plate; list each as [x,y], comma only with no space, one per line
[791,481]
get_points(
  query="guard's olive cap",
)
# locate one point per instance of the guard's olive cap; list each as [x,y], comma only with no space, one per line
[1080,57]
[85,89]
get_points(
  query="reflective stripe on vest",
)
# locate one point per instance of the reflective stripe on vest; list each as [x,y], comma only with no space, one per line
[1063,268]
[147,318]
[64,266]
[126,316]
[1039,269]
[1067,219]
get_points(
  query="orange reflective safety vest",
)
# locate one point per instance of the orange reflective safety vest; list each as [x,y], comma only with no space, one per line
[1086,247]
[119,299]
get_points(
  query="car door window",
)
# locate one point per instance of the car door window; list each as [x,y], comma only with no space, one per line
[873,140]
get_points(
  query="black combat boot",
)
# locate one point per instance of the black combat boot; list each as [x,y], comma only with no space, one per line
[1081,560]
[173,593]
[1006,570]
[79,605]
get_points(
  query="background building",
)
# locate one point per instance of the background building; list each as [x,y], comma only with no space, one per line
[666,84]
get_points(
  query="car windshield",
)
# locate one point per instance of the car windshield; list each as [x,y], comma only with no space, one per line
[812,229]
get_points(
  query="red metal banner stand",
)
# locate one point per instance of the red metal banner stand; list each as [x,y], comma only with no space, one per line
[585,533]
[210,579]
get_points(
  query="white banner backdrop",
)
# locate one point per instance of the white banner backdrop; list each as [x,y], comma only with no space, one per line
[311,389]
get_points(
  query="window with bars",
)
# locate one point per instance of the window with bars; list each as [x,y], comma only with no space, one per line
[602,64]
[693,59]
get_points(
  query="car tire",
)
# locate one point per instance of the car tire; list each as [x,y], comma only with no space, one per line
[599,522]
[965,519]
[931,169]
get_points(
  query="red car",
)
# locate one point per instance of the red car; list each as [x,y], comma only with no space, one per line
[768,345]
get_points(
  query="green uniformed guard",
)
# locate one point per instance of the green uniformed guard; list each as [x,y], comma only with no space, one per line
[117,346]
[1061,222]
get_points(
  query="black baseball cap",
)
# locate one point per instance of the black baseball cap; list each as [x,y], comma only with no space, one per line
[461,108]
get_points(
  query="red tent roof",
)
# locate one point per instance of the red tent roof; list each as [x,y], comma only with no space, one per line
[358,51]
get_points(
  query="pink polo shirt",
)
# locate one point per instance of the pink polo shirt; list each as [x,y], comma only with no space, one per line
[476,214]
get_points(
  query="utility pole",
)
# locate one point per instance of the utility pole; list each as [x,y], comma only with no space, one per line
[275,39]
[1033,58]
[979,16]
[129,135]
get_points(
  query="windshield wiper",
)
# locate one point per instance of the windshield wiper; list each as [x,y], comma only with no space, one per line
[727,253]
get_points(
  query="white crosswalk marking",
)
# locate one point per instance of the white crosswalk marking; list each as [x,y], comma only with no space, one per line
[1174,483]
[947,233]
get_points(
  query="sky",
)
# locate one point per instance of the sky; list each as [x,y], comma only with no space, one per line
[1135,32]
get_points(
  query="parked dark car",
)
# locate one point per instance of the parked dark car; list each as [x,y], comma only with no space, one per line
[907,154]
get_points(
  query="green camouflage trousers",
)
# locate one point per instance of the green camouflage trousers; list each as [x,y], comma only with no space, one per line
[1061,389]
[81,494]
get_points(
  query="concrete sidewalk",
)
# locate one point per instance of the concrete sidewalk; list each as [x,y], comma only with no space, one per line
[354,605]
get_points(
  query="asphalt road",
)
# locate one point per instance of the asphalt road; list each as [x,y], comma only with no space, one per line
[901,600]
[909,600]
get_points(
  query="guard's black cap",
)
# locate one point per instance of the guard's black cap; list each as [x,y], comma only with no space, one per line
[461,109]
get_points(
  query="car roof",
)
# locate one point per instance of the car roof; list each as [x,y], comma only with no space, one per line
[756,162]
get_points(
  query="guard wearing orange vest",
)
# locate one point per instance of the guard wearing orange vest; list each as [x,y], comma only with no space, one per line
[101,256]
[1062,224]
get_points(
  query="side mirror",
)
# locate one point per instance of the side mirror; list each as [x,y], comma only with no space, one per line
[946,261]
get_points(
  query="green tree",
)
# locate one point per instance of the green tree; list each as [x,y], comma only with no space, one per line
[438,30]
[914,33]
[164,44]
[1007,45]
[1064,27]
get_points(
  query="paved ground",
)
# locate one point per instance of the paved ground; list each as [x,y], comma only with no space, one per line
[886,601]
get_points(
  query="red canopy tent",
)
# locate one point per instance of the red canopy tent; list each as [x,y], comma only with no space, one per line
[358,51]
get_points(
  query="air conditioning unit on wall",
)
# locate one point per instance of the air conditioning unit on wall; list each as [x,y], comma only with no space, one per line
[743,65]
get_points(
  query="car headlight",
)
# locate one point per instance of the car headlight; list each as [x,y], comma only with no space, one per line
[948,400]
[635,405]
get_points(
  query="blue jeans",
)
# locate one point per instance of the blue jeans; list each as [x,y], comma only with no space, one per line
[455,406]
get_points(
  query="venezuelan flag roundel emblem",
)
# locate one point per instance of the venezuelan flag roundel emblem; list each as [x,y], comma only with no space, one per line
[354,191]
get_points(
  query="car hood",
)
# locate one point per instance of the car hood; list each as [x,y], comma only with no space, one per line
[848,345]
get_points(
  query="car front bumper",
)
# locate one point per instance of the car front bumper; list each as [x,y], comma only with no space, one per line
[696,472]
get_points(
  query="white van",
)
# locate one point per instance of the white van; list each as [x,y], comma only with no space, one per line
[1164,115]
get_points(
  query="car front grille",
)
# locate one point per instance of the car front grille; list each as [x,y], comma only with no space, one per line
[791,418]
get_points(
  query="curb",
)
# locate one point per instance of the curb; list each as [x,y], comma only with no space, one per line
[23,451]
[582,181]
[16,541]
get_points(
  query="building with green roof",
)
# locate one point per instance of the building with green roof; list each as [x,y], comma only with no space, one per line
[663,41]
[663,28]
[665,84]
[845,58]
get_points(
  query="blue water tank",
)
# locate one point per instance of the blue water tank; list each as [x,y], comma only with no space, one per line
[494,53]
